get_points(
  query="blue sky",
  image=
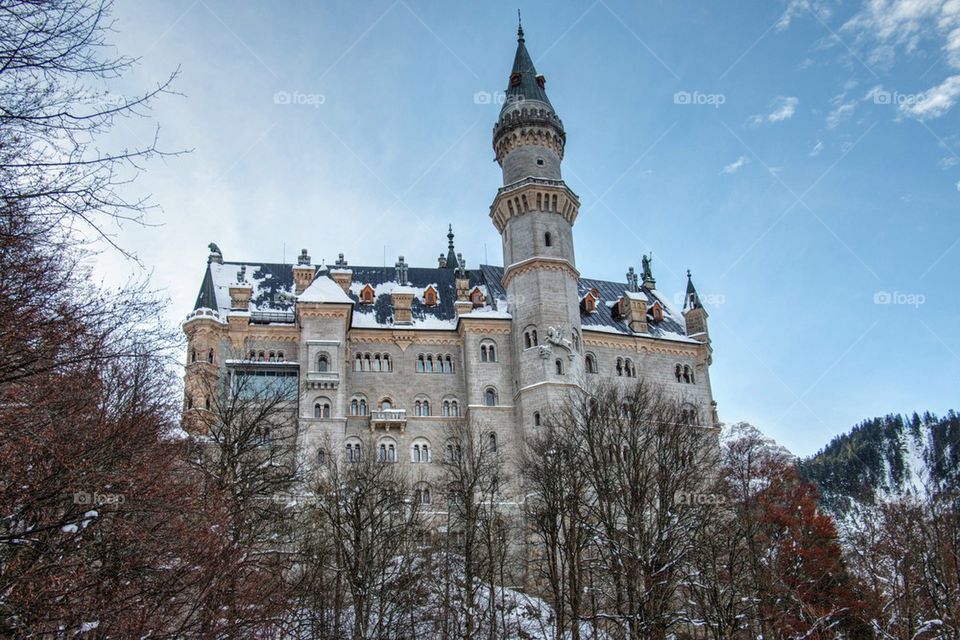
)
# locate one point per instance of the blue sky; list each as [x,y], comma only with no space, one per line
[801,158]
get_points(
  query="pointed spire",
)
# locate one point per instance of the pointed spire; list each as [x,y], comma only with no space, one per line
[519,27]
[525,83]
[451,262]
[692,299]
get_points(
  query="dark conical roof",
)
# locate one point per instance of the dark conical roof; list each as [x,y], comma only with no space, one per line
[527,88]
[452,262]
[692,300]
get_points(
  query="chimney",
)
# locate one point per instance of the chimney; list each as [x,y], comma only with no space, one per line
[342,274]
[303,272]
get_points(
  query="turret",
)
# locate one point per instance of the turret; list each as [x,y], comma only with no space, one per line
[694,313]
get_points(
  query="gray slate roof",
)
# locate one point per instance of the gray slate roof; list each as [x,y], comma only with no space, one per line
[273,297]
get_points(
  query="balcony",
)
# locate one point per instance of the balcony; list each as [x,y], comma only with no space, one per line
[322,379]
[389,419]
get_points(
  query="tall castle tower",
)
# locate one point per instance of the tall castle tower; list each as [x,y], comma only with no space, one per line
[534,212]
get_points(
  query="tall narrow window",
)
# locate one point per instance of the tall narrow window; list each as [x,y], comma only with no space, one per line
[536,418]
[492,440]
[420,365]
[323,363]
[559,366]
[490,398]
[483,353]
[591,364]
[547,239]
[210,356]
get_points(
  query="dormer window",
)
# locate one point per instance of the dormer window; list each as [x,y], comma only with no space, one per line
[515,79]
[657,312]
[366,295]
[430,297]
[541,82]
[589,302]
[476,297]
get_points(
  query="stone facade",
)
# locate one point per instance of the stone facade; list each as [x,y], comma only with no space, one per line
[402,356]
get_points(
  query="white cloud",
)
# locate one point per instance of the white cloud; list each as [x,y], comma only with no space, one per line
[796,8]
[948,161]
[841,113]
[884,27]
[817,148]
[781,108]
[935,101]
[735,166]
[958,185]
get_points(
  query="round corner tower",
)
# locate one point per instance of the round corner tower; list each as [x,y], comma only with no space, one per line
[534,212]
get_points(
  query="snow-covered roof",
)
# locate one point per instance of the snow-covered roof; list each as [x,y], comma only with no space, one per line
[272,297]
[323,289]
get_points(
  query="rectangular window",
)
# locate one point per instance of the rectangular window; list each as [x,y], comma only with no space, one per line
[265,384]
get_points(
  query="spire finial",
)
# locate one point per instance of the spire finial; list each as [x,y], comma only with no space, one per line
[688,274]
[519,27]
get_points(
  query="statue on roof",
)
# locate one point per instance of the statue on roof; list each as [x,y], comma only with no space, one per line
[647,273]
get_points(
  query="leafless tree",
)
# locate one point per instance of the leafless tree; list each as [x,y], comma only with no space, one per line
[365,506]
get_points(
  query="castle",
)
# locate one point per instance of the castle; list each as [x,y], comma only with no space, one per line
[402,355]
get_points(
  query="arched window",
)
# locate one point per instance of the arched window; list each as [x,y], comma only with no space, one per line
[321,456]
[386,362]
[386,404]
[575,336]
[558,363]
[529,337]
[429,368]
[619,366]
[377,364]
[490,397]
[358,363]
[488,351]
[354,452]
[206,404]
[687,375]
[447,365]
[366,362]
[420,452]
[526,340]
[422,494]
[280,356]
[321,409]
[628,368]
[454,409]
[492,442]
[547,239]
[420,364]
[430,297]
[260,357]
[454,452]
[536,418]
[678,373]
[210,356]
[445,408]
[193,355]
[591,363]
[391,453]
[426,407]
[323,363]
[354,407]
[363,406]
[271,357]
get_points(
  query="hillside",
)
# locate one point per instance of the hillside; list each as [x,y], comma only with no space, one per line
[888,457]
